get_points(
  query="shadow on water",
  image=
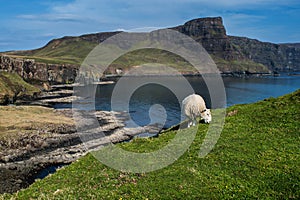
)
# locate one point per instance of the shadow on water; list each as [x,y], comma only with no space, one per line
[51,169]
[15,179]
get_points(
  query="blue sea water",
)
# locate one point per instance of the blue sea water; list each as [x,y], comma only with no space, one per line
[154,101]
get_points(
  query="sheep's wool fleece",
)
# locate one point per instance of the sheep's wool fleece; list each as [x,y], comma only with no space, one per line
[193,105]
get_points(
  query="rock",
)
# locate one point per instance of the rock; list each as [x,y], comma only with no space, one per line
[64,145]
[211,33]
[47,87]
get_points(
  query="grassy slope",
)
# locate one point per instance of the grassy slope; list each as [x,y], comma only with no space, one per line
[239,65]
[12,85]
[67,51]
[257,156]
[150,55]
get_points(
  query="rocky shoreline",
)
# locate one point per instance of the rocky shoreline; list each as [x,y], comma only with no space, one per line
[63,145]
[20,166]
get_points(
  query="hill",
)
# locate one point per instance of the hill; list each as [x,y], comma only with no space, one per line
[230,53]
[255,158]
[210,32]
[71,50]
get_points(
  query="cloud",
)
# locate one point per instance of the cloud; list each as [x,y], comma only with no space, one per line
[51,17]
[30,17]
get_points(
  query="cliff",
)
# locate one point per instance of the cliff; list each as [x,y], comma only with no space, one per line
[30,70]
[278,57]
[211,33]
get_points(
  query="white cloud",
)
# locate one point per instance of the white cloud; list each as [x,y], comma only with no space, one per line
[51,17]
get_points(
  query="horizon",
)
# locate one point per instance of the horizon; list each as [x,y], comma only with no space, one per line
[31,25]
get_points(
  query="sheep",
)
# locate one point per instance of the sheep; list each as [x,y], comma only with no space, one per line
[193,107]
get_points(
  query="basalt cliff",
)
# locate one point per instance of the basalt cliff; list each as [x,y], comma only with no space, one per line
[59,60]
[211,33]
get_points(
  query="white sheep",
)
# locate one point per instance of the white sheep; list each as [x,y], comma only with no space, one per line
[193,107]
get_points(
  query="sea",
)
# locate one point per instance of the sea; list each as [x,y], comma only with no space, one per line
[152,100]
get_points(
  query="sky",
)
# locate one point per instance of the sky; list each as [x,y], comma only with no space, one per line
[30,24]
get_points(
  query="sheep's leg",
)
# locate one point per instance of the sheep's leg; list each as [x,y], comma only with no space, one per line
[190,123]
[194,122]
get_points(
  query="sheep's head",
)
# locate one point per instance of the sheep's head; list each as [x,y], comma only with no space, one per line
[206,115]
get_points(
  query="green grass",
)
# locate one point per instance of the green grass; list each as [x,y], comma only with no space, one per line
[256,157]
[239,65]
[150,55]
[13,86]
[61,51]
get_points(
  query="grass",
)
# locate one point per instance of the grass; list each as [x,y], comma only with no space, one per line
[18,123]
[149,55]
[13,86]
[256,157]
[239,65]
[61,51]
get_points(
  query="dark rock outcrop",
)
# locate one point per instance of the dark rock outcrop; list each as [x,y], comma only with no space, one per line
[211,33]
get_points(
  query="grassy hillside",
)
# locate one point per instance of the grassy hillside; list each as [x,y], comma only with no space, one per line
[256,157]
[12,86]
[239,65]
[70,50]
[73,50]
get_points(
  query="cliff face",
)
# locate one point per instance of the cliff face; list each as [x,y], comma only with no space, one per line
[211,33]
[29,70]
[275,56]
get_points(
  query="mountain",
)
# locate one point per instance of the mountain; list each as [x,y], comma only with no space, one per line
[229,52]
[211,33]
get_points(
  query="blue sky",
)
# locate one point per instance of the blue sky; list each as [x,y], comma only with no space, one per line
[31,24]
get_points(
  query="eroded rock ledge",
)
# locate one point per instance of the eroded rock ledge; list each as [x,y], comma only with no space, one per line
[19,166]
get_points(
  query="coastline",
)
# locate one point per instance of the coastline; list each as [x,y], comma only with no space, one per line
[62,145]
[20,167]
